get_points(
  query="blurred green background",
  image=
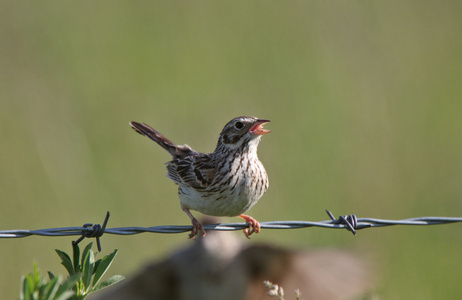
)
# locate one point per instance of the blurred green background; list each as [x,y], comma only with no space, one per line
[365,99]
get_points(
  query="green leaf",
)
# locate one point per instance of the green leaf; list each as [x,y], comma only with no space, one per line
[30,284]
[97,265]
[36,274]
[85,251]
[66,261]
[103,266]
[23,290]
[65,296]
[50,289]
[108,282]
[87,271]
[76,255]
[67,285]
[51,275]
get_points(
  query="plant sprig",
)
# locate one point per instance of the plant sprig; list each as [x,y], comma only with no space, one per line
[85,274]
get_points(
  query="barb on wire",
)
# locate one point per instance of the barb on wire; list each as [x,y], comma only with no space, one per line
[351,223]
[96,232]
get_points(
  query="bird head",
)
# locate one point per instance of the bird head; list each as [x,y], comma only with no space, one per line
[241,132]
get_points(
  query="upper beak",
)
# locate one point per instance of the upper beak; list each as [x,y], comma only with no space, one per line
[258,129]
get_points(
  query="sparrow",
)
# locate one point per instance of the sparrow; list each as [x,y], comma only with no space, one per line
[226,182]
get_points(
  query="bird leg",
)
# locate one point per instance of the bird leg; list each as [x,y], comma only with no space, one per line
[196,225]
[254,225]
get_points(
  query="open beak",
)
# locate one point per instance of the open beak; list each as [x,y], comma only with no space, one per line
[258,129]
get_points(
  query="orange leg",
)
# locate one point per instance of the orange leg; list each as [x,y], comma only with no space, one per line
[254,226]
[196,225]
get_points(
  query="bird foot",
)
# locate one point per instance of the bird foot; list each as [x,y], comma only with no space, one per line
[196,229]
[196,225]
[254,225]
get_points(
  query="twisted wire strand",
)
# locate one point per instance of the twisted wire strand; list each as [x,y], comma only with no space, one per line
[360,223]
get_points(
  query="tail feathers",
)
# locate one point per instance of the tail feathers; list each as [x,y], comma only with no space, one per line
[176,151]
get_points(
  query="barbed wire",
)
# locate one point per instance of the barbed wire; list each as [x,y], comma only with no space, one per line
[350,222]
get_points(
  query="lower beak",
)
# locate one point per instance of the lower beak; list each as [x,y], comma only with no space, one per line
[258,129]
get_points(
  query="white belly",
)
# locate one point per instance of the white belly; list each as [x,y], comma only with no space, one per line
[231,198]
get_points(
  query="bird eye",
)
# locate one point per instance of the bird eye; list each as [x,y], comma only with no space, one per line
[239,125]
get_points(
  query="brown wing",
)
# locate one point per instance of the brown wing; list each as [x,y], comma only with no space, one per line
[196,171]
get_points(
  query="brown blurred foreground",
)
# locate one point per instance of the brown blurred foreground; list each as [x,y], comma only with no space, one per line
[221,266]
